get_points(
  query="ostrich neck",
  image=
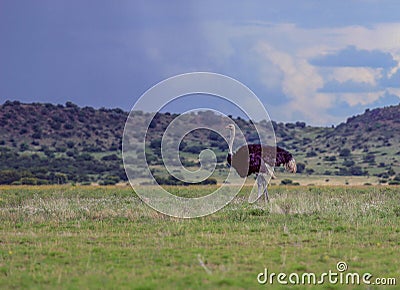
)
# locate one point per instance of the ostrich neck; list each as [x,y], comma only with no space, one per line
[231,139]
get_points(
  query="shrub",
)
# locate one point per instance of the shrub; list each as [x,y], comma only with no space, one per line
[209,180]
[68,126]
[23,147]
[110,157]
[195,149]
[37,135]
[309,171]
[369,158]
[394,182]
[286,181]
[311,154]
[9,176]
[155,144]
[330,158]
[345,152]
[348,163]
[29,180]
[289,182]
[108,182]
[300,167]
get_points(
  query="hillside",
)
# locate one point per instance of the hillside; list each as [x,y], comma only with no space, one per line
[46,143]
[59,126]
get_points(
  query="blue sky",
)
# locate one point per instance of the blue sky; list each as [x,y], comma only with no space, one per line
[313,61]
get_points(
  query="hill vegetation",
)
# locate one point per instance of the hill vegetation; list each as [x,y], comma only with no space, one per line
[46,143]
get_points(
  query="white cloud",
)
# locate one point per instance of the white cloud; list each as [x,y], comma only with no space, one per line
[299,83]
[284,50]
[394,91]
[354,99]
[355,74]
[395,69]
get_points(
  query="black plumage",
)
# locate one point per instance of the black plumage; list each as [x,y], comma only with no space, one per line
[249,159]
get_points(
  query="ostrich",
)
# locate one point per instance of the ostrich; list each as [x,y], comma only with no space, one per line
[258,159]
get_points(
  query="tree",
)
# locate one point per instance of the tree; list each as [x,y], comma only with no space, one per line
[300,167]
[70,144]
[61,178]
[155,144]
[9,176]
[23,147]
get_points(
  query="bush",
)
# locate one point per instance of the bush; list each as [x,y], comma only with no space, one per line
[286,181]
[110,157]
[311,154]
[369,158]
[330,158]
[348,163]
[301,124]
[171,180]
[394,182]
[9,176]
[68,126]
[155,144]
[23,147]
[37,135]
[108,182]
[300,167]
[345,152]
[289,182]
[209,180]
[195,149]
[29,180]
[309,171]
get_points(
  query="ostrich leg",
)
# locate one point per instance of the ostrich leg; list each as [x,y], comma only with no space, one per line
[265,186]
[260,179]
[265,167]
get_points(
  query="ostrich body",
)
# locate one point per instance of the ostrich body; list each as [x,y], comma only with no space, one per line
[258,159]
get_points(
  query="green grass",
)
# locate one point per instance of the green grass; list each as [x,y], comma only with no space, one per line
[106,237]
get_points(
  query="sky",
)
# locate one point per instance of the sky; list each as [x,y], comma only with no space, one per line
[314,61]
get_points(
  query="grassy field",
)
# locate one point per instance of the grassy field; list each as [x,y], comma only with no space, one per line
[74,237]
